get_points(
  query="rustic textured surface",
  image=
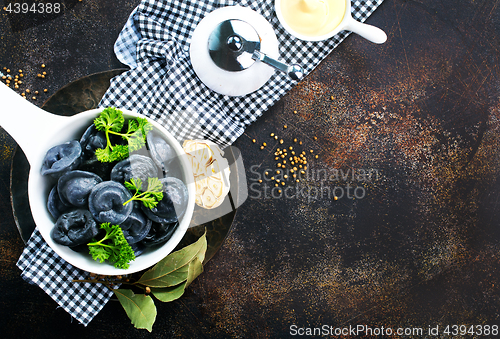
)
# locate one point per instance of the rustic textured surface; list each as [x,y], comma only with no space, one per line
[420,248]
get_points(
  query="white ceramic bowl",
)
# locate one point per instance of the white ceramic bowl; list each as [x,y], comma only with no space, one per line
[36,131]
[348,23]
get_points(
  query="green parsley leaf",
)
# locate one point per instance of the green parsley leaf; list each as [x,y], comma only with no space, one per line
[112,247]
[111,121]
[151,196]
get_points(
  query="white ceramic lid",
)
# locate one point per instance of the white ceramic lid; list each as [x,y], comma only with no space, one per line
[237,83]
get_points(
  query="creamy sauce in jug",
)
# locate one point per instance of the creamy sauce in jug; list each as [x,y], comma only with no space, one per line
[313,17]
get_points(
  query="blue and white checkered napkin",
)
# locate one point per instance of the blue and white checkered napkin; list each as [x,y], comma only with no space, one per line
[41,266]
[163,85]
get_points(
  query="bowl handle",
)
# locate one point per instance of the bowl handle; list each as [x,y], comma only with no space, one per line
[29,125]
[369,32]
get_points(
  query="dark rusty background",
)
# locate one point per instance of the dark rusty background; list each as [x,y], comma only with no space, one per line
[419,249]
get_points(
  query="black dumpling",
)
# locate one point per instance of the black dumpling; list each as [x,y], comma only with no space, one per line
[161,152]
[138,248]
[136,227]
[173,205]
[74,228]
[159,234]
[54,204]
[61,159]
[106,202]
[102,169]
[91,140]
[75,186]
[136,166]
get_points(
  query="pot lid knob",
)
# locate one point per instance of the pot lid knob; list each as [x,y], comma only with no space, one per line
[232,43]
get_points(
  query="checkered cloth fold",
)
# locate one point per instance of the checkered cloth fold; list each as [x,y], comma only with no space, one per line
[41,266]
[162,85]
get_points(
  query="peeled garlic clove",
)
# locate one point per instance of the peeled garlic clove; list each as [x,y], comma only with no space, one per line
[209,199]
[216,186]
[201,184]
[196,166]
[198,200]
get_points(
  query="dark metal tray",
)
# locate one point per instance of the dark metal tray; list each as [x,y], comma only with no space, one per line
[85,94]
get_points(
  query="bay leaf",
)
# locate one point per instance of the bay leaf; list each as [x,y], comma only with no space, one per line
[140,308]
[194,270]
[156,276]
[168,294]
[167,280]
[203,249]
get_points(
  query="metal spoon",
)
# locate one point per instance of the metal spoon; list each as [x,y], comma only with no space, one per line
[234,45]
[294,71]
